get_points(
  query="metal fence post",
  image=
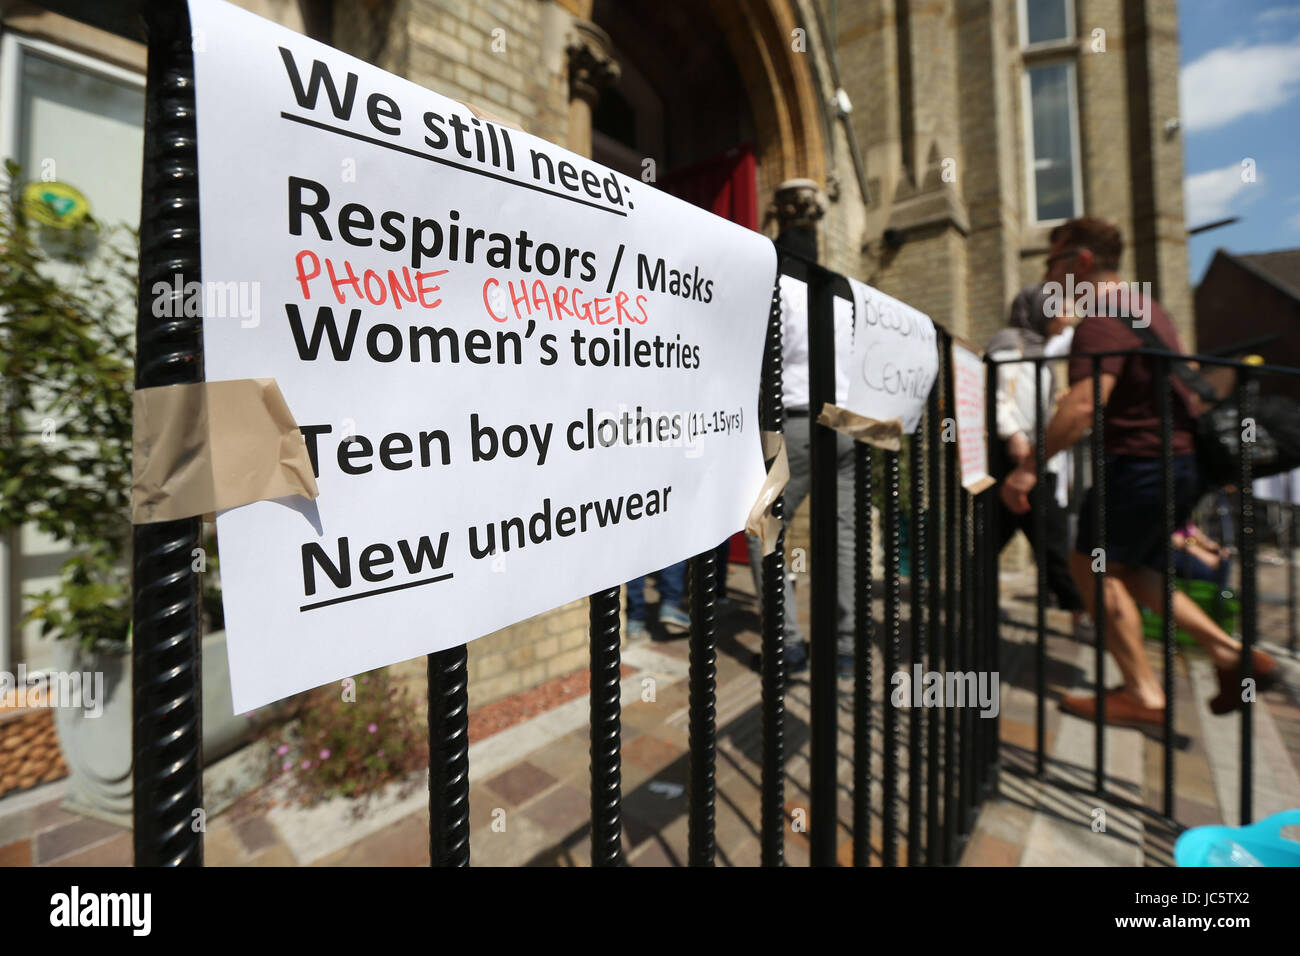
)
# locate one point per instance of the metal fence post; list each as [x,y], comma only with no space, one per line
[605,708]
[823,493]
[1247,391]
[1040,597]
[1289,552]
[935,495]
[952,588]
[1167,569]
[979,636]
[966,756]
[893,641]
[1099,577]
[166,650]
[448,680]
[916,715]
[862,656]
[992,593]
[772,809]
[703,708]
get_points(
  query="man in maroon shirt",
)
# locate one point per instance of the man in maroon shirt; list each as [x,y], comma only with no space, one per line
[1083,260]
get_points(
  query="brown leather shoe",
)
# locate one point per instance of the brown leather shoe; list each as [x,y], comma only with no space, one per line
[1121,708]
[1265,673]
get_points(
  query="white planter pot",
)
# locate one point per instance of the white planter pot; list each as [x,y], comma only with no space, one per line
[98,749]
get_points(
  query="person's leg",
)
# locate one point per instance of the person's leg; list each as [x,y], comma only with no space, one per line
[846,537]
[636,600]
[674,617]
[1123,630]
[1148,587]
[1189,567]
[1008,523]
[672,585]
[1124,638]
[1059,577]
[1141,696]
[1082,574]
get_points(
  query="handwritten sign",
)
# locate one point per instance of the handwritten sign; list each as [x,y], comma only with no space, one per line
[969,386]
[895,359]
[521,377]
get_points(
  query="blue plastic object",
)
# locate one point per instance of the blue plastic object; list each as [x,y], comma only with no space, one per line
[1212,846]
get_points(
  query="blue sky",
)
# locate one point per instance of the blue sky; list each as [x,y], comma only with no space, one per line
[1239,91]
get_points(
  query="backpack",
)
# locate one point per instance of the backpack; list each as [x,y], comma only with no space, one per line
[1219,428]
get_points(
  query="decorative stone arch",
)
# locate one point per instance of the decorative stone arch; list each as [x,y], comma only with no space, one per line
[782,92]
[777,80]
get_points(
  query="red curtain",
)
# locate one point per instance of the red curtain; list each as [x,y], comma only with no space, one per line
[724,184]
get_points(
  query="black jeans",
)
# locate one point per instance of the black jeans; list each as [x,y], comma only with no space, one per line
[1058,544]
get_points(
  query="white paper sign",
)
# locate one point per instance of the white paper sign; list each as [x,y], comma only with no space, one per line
[523,378]
[895,359]
[970,386]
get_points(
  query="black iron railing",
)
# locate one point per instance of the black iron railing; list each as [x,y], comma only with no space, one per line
[1246,393]
[951,625]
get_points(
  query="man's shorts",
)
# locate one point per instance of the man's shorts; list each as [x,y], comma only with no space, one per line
[1134,519]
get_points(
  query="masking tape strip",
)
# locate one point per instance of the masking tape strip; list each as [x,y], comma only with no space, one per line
[211,445]
[980,484]
[887,435]
[761,522]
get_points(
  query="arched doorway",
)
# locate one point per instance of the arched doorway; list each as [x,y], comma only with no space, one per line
[720,101]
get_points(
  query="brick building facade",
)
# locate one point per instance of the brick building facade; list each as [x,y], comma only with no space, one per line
[932,142]
[1250,305]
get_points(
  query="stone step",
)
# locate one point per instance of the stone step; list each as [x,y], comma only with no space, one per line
[1059,820]
[1056,820]
[1276,784]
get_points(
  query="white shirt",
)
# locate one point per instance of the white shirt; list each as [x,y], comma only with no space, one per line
[1062,463]
[1015,403]
[794,344]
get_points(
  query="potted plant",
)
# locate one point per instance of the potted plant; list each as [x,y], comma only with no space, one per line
[67,294]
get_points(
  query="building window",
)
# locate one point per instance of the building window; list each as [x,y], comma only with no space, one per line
[1053,141]
[1045,21]
[72,118]
[1053,175]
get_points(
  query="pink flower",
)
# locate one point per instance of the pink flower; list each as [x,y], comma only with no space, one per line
[306,765]
[372,728]
[286,766]
[324,755]
[380,754]
[282,749]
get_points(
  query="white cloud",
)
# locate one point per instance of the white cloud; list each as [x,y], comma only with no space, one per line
[1231,82]
[1209,195]
[1278,15]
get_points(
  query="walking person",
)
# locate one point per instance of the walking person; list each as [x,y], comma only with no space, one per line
[798,432]
[673,617]
[1086,252]
[1029,329]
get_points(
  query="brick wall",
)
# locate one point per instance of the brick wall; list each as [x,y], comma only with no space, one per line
[528,653]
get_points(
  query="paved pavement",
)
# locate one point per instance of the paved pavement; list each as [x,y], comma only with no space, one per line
[529,795]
